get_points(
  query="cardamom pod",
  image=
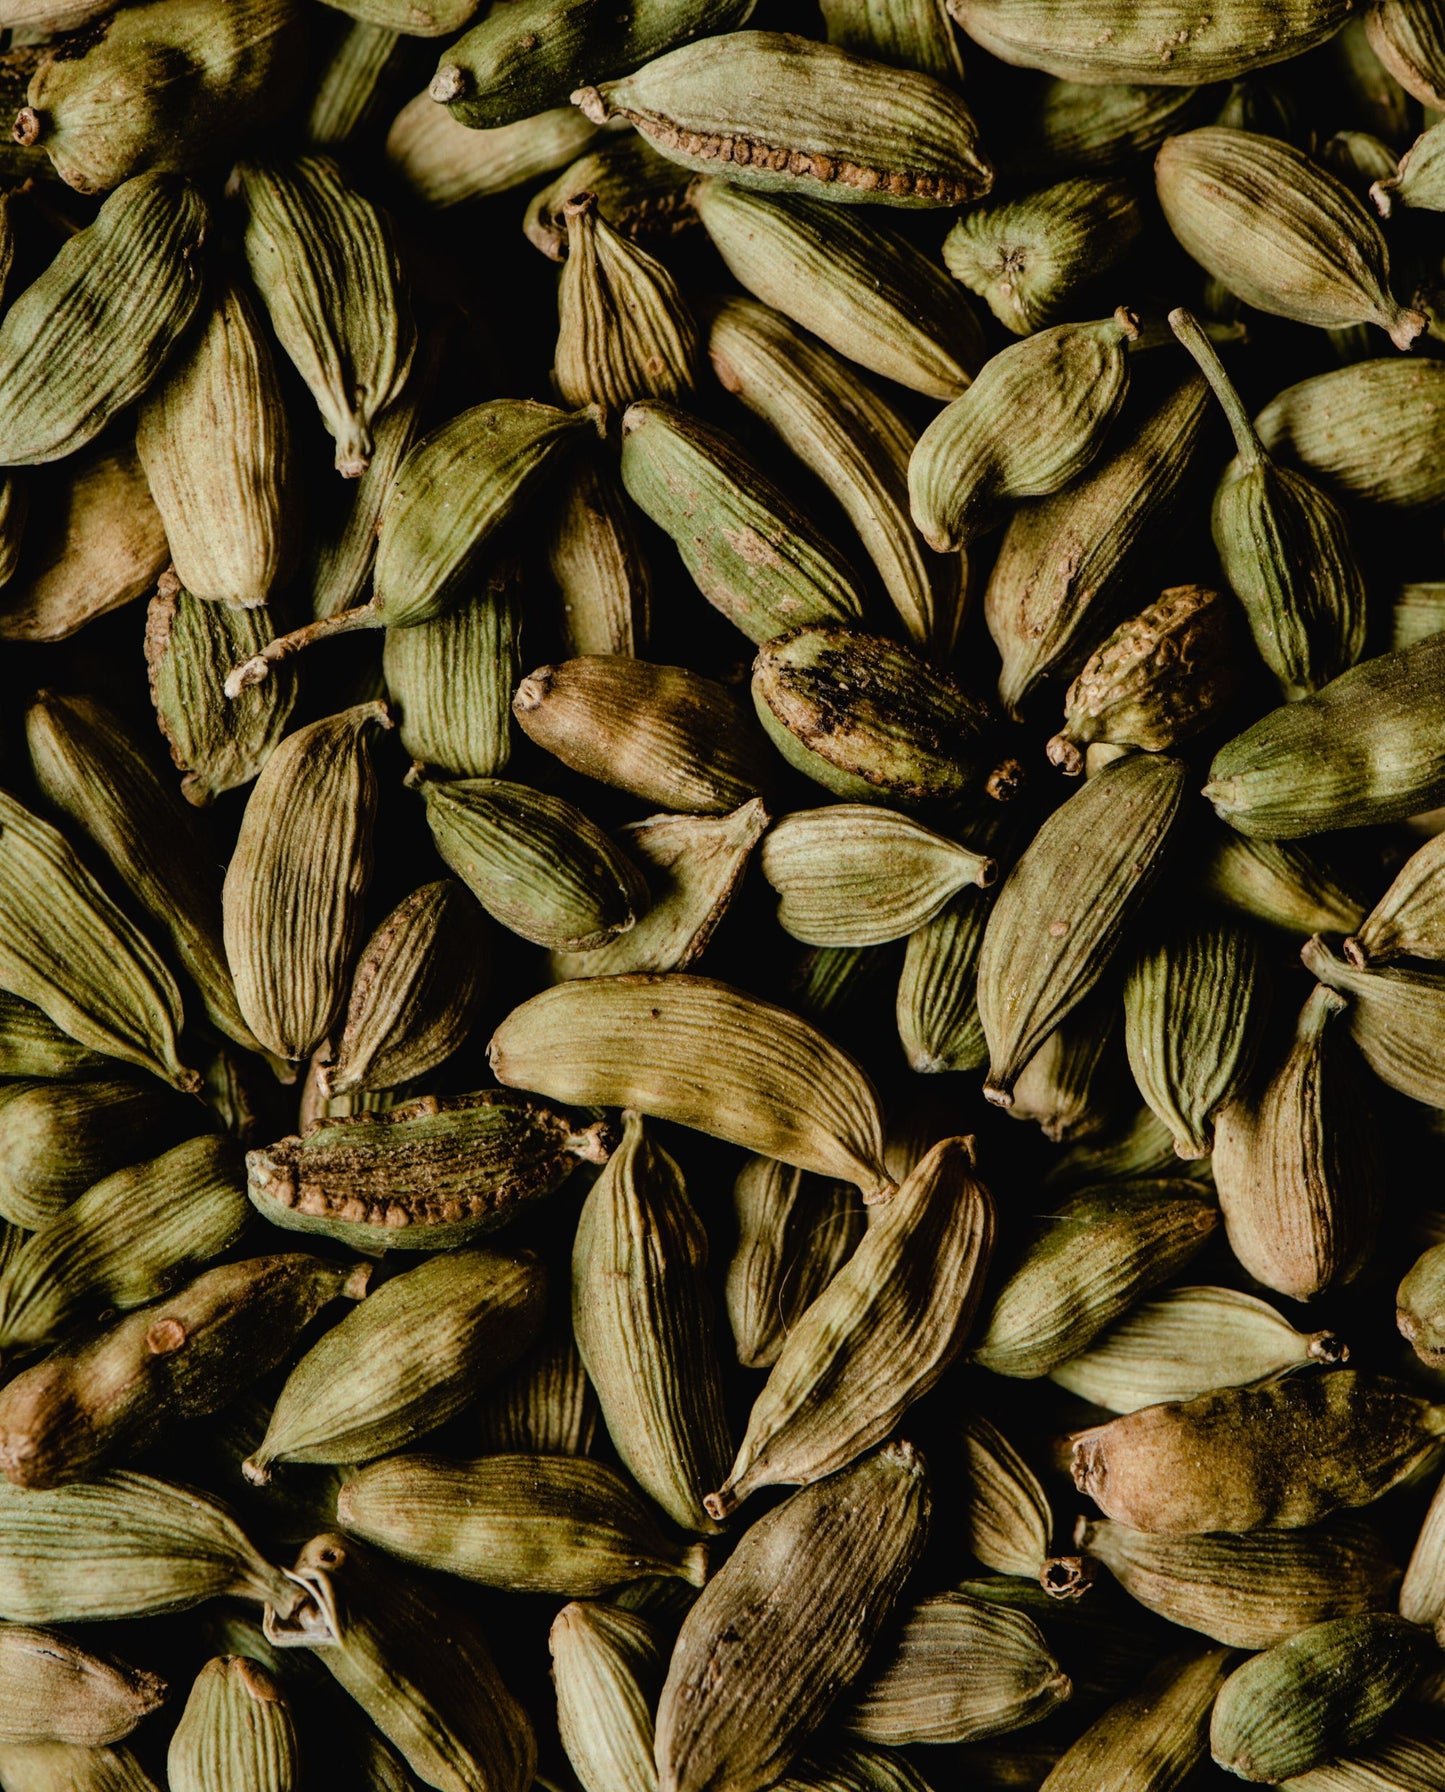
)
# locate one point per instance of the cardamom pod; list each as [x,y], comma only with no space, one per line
[417,18]
[906,1297]
[1156,1736]
[1071,1084]
[1418,611]
[787,1622]
[31,1045]
[1067,126]
[782,112]
[1373,431]
[826,980]
[607,1665]
[14,504]
[361,70]
[421,1177]
[544,1405]
[444,163]
[638,191]
[1279,883]
[58,1136]
[1395,1013]
[1142,1146]
[1422,1592]
[236,1731]
[1409,919]
[1410,40]
[851,280]
[598,565]
[530,1524]
[794,1234]
[1419,182]
[1007,1521]
[1394,1762]
[778,1086]
[852,1767]
[917,34]
[1358,159]
[937,1002]
[53,1691]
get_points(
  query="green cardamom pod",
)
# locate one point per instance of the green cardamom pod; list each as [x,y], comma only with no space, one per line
[782,112]
[907,1296]
[1420,1306]
[1069,127]
[53,1691]
[421,1177]
[235,1733]
[917,34]
[826,980]
[1142,1146]
[58,1136]
[777,1087]
[407,1359]
[1358,159]
[1409,40]
[1068,562]
[1392,1762]
[1395,1016]
[638,191]
[361,72]
[1373,431]
[31,1045]
[1409,919]
[1026,258]
[1419,182]
[228,517]
[530,1524]
[937,1002]
[1070,1086]
[1279,883]
[852,1767]
[598,566]
[444,163]
[607,1666]
[794,1233]
[1155,1737]
[1084,1266]
[643,1320]
[851,280]
[1007,1519]
[1418,611]
[1422,1592]
[544,1405]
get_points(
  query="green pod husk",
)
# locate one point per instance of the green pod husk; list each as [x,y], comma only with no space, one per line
[1358,158]
[444,164]
[1068,127]
[294,888]
[854,441]
[1248,1591]
[1026,258]
[973,462]
[1279,883]
[1194,1006]
[750,551]
[607,1665]
[228,517]
[126,1241]
[1141,1146]
[827,980]
[53,1691]
[850,280]
[360,74]
[1007,1522]
[851,874]
[1409,919]
[643,1320]
[1063,910]
[535,863]
[598,566]
[409,1358]
[59,1134]
[779,1087]
[1419,182]
[1187,1341]
[869,719]
[416,991]
[794,1234]
[1070,1085]
[544,1405]
[118,1391]
[1422,1592]
[424,1176]
[880,1334]
[415,18]
[784,113]
[1373,431]
[662,733]
[1367,748]
[322,259]
[1395,1016]
[693,865]
[786,1624]
[529,1524]
[937,1002]
[1214,1463]
[31,1045]
[90,767]
[1395,1762]
[190,646]
[959,1670]
[1142,40]
[1410,41]
[1067,562]
[1153,1739]
[853,1767]
[1085,1266]
[1285,547]
[419,1668]
[918,34]
[236,1733]
[94,331]
[514,64]
[638,191]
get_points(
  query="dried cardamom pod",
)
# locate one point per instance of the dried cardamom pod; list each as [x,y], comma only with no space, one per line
[1420,1306]
[1026,258]
[419,1669]
[750,551]
[1084,1266]
[937,1002]
[638,191]
[1422,1592]
[1410,40]
[31,1045]
[607,1665]
[126,1241]
[421,1177]
[451,679]
[598,566]
[1419,182]
[1358,159]
[409,1358]
[236,1731]
[1409,919]
[959,1669]
[1064,127]
[852,1767]
[228,519]
[1071,1084]
[544,1405]
[782,112]
[778,1086]
[661,733]
[870,720]
[1061,914]
[190,646]
[1187,1341]
[530,1524]
[360,73]
[1278,882]
[848,279]
[794,1233]
[1366,749]
[1395,1015]
[905,1298]
[1155,1737]
[918,34]
[693,865]
[1007,1520]
[516,63]
[787,1623]
[14,510]
[53,1691]
[1374,431]
[60,1135]
[322,259]
[444,163]
[643,1320]
[826,980]
[94,331]
[1302,1702]
[1067,562]
[1418,611]
[1142,1146]
[1248,1591]
[1393,1762]
[973,462]
[1162,676]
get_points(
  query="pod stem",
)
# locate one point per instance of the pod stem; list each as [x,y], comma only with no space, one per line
[1187,328]
[258,667]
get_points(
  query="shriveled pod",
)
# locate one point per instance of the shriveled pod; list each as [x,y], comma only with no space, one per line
[1156,1736]
[1071,1086]
[1409,919]
[937,1002]
[795,1232]
[1419,182]
[638,191]
[444,163]
[51,1690]
[1409,39]
[1396,1016]
[1007,1519]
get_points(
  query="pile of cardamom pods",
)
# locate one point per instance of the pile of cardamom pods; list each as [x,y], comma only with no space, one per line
[722,895]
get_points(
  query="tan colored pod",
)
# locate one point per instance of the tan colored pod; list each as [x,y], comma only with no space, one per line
[53,1691]
[1007,1519]
[1409,38]
[1409,919]
[639,192]
[607,1666]
[544,1405]
[236,1732]
[598,565]
[1155,1738]
[445,163]
[1398,1760]
[778,1087]
[1070,1087]
[1396,1012]
[794,1233]
[61,1133]
[1281,883]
